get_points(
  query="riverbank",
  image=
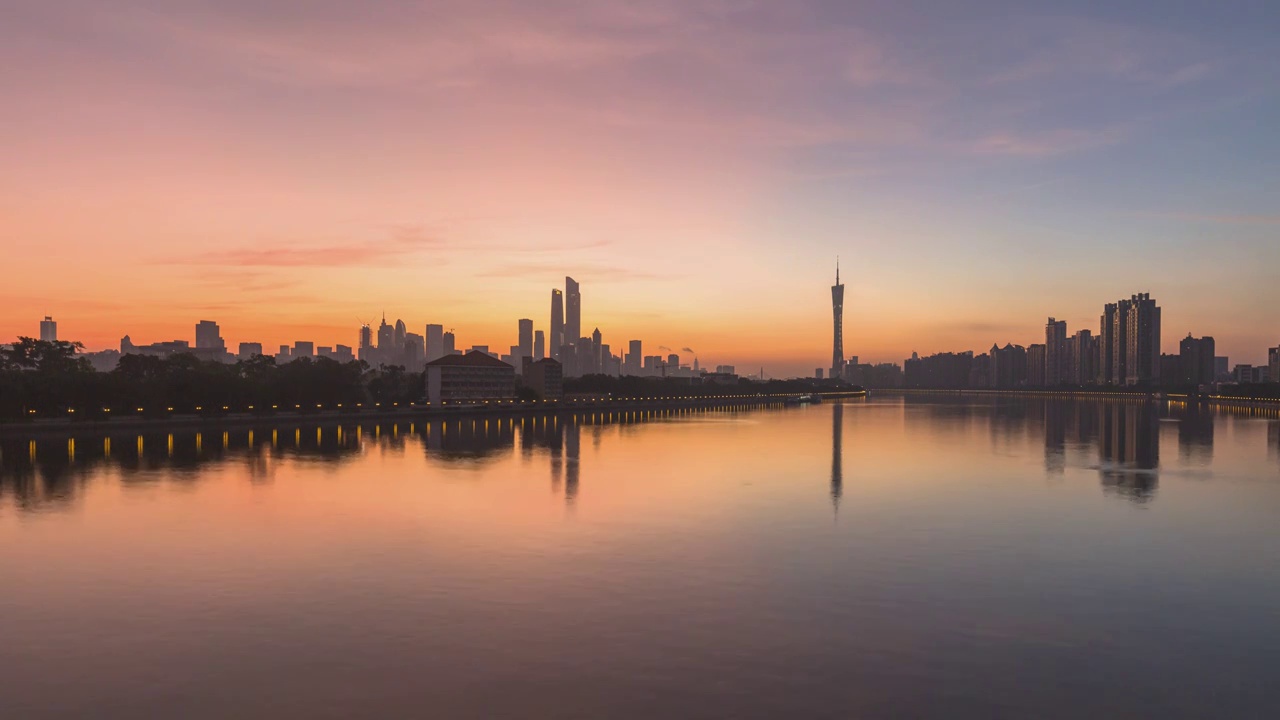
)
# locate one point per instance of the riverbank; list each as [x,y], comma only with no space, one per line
[410,411]
[1201,398]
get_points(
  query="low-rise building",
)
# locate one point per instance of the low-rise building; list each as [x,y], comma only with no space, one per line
[545,377]
[474,376]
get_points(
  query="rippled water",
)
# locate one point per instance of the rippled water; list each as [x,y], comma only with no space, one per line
[937,557]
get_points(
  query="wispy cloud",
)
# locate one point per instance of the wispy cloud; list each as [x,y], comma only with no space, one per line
[398,241]
[1043,143]
[584,272]
[1218,219]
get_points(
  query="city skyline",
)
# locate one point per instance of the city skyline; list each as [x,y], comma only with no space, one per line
[303,178]
[1125,352]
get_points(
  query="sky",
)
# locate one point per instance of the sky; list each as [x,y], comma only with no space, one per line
[292,169]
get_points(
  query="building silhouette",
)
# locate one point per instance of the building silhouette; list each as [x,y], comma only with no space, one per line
[1142,361]
[545,377]
[539,345]
[1195,361]
[48,329]
[525,338]
[401,332]
[386,339]
[365,350]
[572,311]
[1130,352]
[209,336]
[837,337]
[1082,355]
[1055,352]
[448,344]
[1035,365]
[434,342]
[557,323]
[474,376]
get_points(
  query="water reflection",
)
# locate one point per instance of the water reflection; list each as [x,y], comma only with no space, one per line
[48,471]
[837,462]
[1129,450]
[1118,438]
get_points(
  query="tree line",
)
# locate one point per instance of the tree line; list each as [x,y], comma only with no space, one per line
[48,379]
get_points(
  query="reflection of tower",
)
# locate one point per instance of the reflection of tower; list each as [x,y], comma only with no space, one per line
[572,451]
[555,441]
[1195,433]
[837,338]
[1055,436]
[837,461]
[1130,449]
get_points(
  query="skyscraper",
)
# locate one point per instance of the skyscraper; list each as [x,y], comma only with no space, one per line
[209,335]
[448,344]
[402,330]
[1106,345]
[1195,357]
[1056,359]
[572,310]
[1142,363]
[837,338]
[48,329]
[1082,353]
[557,322]
[635,357]
[365,348]
[435,342]
[386,338]
[597,355]
[526,338]
[539,345]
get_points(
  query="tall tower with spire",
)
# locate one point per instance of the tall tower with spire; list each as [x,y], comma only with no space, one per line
[837,339]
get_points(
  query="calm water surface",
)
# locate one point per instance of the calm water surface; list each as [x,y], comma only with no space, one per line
[883,558]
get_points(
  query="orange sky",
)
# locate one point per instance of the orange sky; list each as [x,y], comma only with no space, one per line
[292,171]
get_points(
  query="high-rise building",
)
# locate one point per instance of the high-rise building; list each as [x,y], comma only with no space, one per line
[386,339]
[1055,352]
[597,352]
[1035,365]
[303,349]
[1142,351]
[401,331]
[539,345]
[1082,355]
[413,352]
[525,339]
[249,349]
[435,342]
[48,329]
[1008,367]
[1106,345]
[1273,363]
[1221,368]
[557,322]
[365,349]
[1195,361]
[572,311]
[209,335]
[837,338]
[632,364]
[447,345]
